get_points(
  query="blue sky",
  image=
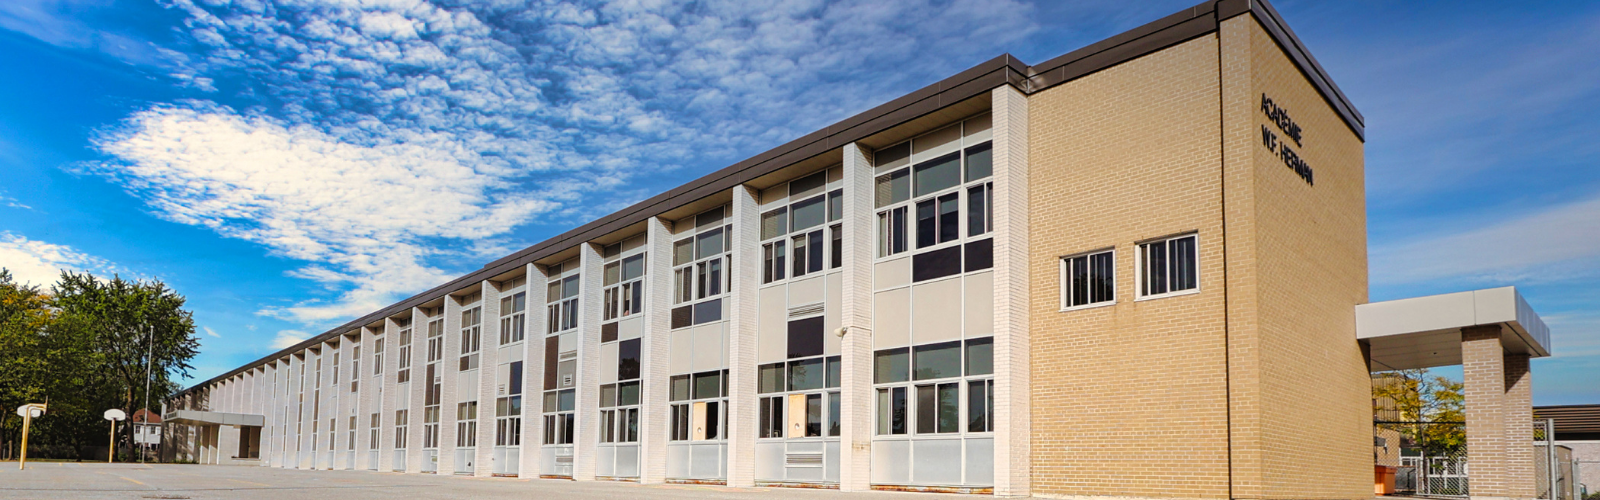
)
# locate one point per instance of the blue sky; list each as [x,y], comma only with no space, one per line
[291,165]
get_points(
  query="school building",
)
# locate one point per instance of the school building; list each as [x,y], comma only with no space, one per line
[1136,270]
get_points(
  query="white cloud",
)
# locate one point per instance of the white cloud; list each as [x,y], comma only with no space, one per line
[288,338]
[62,23]
[210,332]
[371,140]
[361,214]
[1562,242]
[40,264]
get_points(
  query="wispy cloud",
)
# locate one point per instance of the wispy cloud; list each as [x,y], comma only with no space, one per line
[288,338]
[361,214]
[40,264]
[67,23]
[210,332]
[1559,243]
[370,139]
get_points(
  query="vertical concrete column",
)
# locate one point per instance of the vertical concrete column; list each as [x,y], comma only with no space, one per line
[303,401]
[1484,377]
[269,413]
[742,324]
[386,390]
[1013,429]
[533,374]
[417,387]
[366,389]
[1517,407]
[488,372]
[654,418]
[447,387]
[855,317]
[590,284]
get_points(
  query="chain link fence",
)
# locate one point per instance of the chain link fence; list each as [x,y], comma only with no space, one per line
[1421,458]
[1553,465]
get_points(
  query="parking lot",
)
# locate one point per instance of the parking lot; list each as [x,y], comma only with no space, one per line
[77,480]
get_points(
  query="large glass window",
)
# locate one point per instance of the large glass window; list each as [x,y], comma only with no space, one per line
[920,204]
[940,388]
[699,406]
[702,276]
[795,242]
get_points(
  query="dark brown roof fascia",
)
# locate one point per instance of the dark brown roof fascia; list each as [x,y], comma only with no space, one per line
[1005,69]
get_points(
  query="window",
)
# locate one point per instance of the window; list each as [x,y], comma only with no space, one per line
[508,406]
[796,240]
[559,419]
[1168,266]
[400,429]
[466,424]
[701,275]
[562,296]
[919,205]
[698,406]
[624,288]
[619,413]
[471,338]
[980,209]
[513,328]
[892,232]
[373,429]
[919,389]
[1088,279]
[938,220]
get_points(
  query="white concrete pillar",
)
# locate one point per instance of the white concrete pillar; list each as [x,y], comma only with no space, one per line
[588,411]
[855,317]
[742,324]
[654,416]
[533,374]
[1013,430]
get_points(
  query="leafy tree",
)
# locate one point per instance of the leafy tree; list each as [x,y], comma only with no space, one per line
[1428,410]
[84,348]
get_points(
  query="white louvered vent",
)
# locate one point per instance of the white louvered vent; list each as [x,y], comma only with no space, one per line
[805,310]
[803,459]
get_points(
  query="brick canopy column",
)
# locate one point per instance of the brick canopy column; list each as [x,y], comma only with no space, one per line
[1518,415]
[1499,416]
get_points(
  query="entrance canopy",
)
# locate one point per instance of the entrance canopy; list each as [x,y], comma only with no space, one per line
[193,417]
[1425,332]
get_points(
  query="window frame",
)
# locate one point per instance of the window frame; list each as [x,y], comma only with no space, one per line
[819,239]
[911,386]
[1139,267]
[908,207]
[1064,299]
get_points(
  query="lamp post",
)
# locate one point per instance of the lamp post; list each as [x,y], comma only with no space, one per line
[111,448]
[27,412]
[149,340]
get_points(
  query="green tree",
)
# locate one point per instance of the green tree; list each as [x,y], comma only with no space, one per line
[83,348]
[138,328]
[1432,408]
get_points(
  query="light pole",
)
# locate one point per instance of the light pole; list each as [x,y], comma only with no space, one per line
[149,341]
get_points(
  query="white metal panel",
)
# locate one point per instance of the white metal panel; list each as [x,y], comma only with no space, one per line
[709,350]
[682,351]
[936,311]
[891,318]
[772,340]
[805,291]
[891,273]
[978,305]
[608,363]
[630,328]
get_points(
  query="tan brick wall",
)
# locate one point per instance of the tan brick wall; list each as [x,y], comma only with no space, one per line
[1312,415]
[1136,399]
[1130,399]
